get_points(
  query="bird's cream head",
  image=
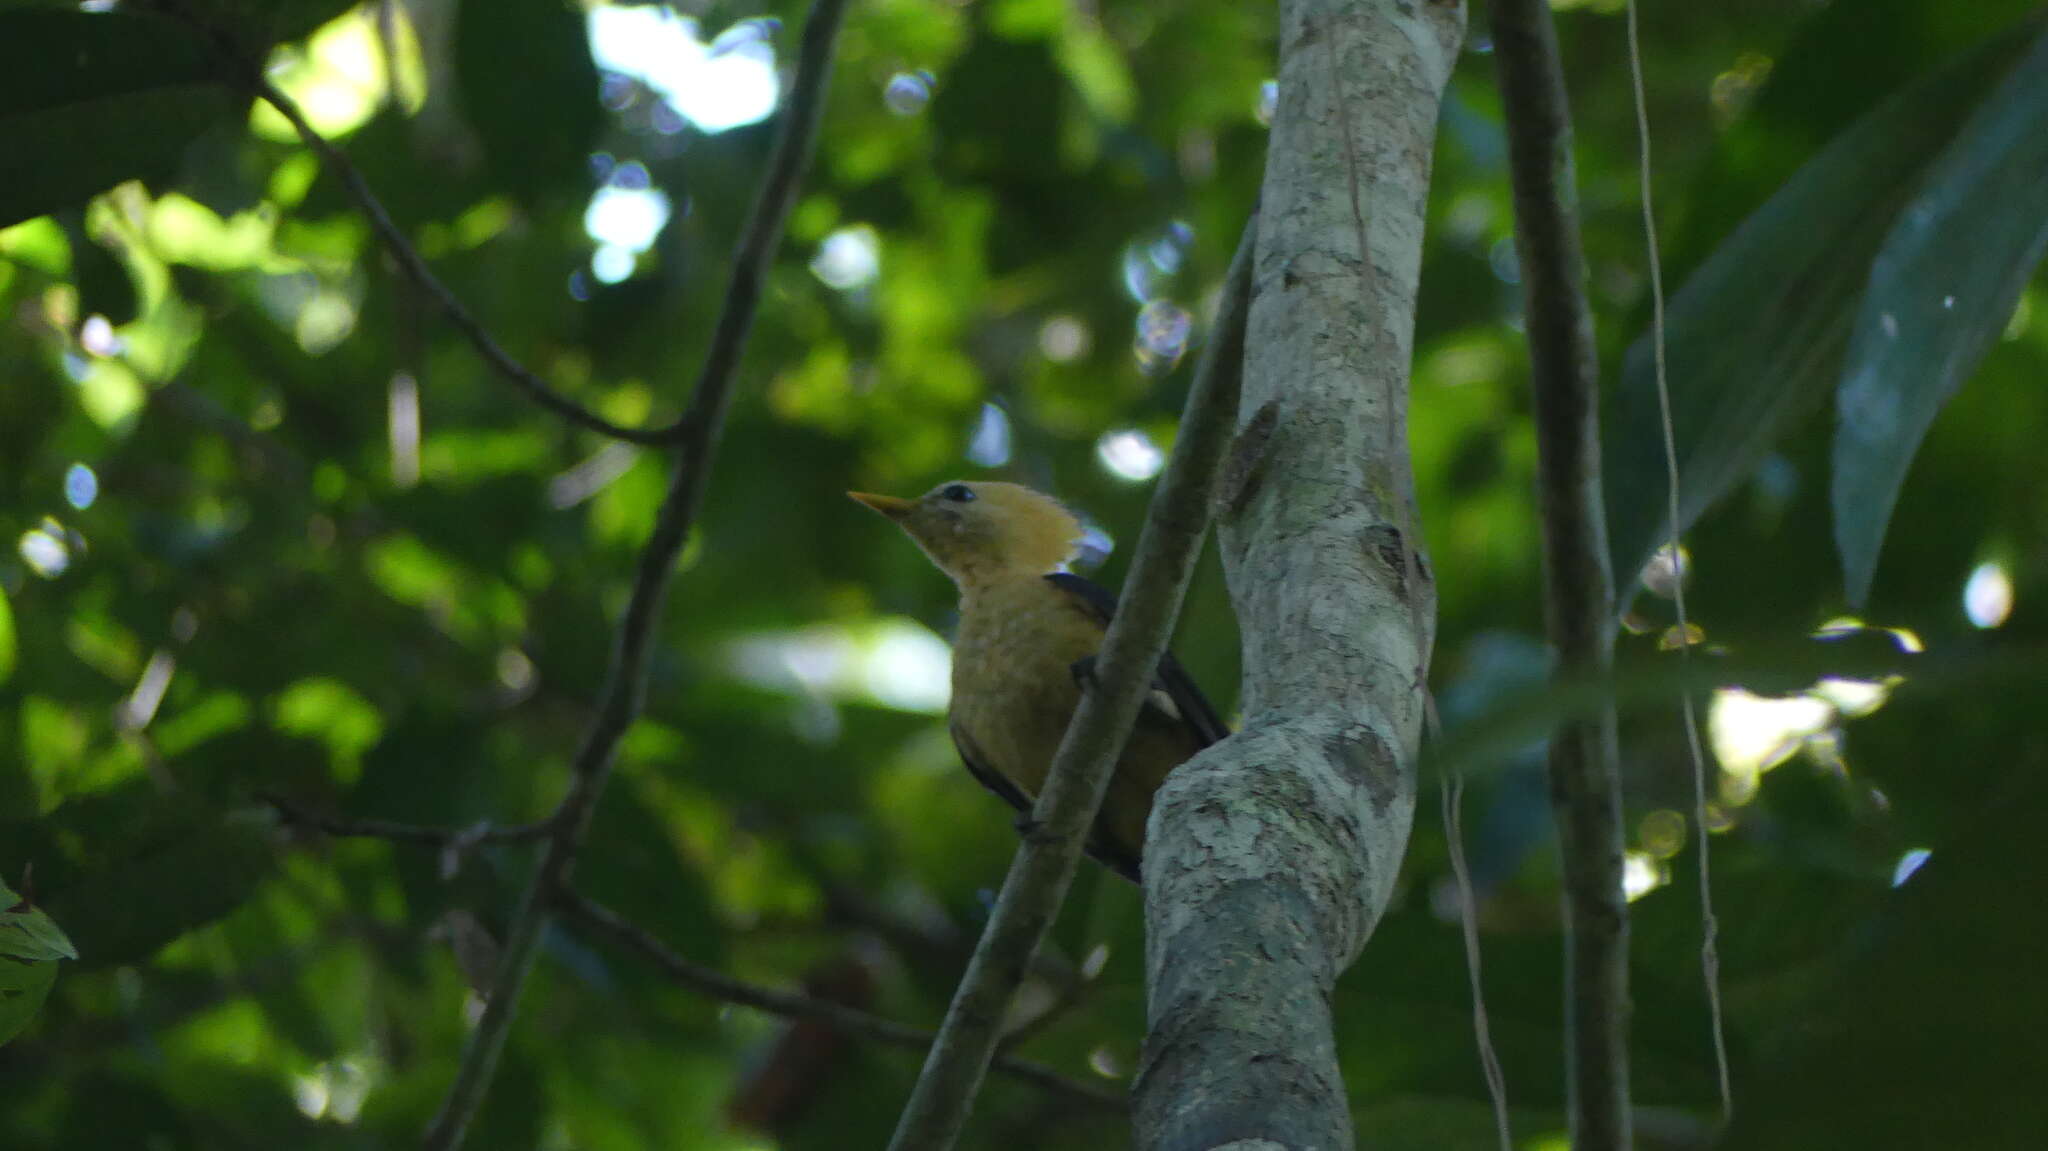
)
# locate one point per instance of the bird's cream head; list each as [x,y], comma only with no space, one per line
[978,532]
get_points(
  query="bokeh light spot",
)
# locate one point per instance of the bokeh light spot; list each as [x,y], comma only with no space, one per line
[1987,595]
[81,486]
[630,217]
[1641,874]
[1130,454]
[1909,863]
[96,336]
[612,263]
[1667,571]
[849,258]
[989,447]
[44,550]
[907,93]
[1662,833]
[1064,339]
[1162,336]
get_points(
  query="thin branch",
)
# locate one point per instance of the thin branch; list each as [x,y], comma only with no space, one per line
[249,74]
[425,835]
[1044,864]
[1451,791]
[1585,773]
[796,1005]
[625,684]
[1710,927]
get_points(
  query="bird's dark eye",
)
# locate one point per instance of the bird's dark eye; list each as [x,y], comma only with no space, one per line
[958,493]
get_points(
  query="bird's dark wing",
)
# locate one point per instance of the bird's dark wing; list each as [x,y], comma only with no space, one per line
[983,770]
[1099,846]
[1174,694]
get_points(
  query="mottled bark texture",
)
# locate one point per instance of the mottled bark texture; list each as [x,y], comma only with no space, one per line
[1585,771]
[1271,856]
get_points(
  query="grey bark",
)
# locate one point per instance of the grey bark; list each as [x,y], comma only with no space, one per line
[1271,856]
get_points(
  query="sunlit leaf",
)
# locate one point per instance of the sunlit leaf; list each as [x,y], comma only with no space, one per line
[1941,291]
[6,638]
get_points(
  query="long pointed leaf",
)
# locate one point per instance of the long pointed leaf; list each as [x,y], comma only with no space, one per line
[1757,333]
[1940,291]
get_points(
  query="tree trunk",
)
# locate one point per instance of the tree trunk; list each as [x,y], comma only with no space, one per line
[1271,856]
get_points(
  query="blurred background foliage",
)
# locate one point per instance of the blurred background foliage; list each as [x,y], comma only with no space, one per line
[271,527]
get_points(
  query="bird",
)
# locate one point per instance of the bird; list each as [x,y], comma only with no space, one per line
[1025,650]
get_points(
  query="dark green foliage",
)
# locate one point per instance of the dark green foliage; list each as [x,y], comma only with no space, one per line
[89,100]
[259,598]
[529,90]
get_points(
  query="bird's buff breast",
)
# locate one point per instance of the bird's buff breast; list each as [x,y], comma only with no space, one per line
[1013,684]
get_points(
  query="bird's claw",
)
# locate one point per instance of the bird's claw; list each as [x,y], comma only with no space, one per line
[1083,670]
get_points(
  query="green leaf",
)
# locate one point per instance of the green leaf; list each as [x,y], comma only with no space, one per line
[6,638]
[30,945]
[27,934]
[104,285]
[146,878]
[1941,290]
[23,987]
[529,88]
[1755,336]
[91,99]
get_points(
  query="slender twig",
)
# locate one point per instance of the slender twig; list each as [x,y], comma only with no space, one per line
[1451,792]
[1710,927]
[425,835]
[625,683]
[249,74]
[1045,862]
[1585,774]
[796,1005]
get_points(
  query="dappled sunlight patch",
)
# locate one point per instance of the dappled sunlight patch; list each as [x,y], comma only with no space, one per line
[330,711]
[337,77]
[727,82]
[1750,734]
[893,662]
[181,230]
[1642,873]
[335,1090]
[460,602]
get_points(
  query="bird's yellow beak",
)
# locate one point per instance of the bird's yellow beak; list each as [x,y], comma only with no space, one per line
[889,506]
